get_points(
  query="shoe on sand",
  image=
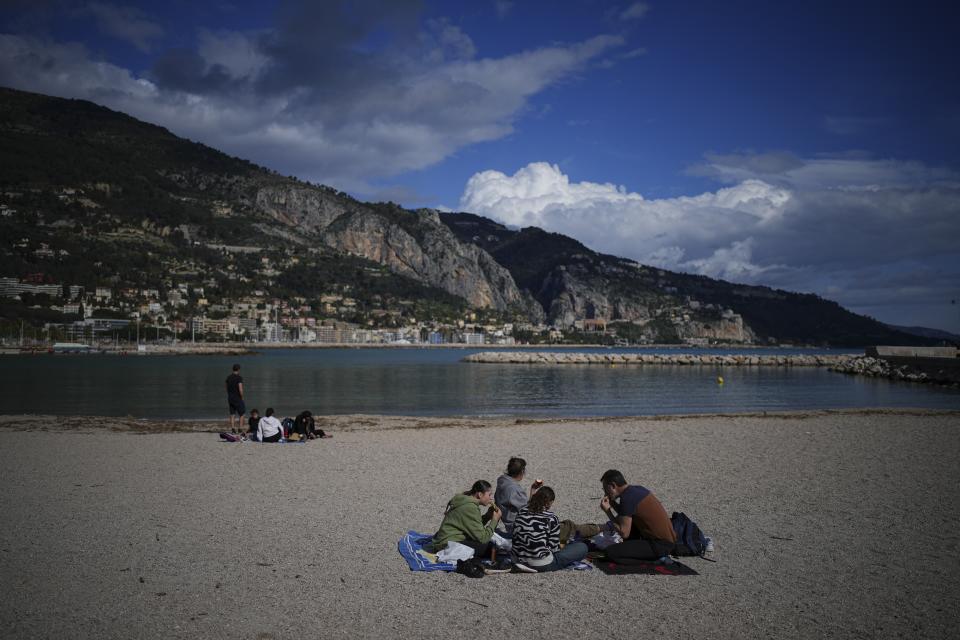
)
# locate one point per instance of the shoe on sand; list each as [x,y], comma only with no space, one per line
[522,568]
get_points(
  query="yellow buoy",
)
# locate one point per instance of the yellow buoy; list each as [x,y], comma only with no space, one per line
[719,379]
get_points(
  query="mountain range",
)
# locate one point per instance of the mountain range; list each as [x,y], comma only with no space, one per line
[94,197]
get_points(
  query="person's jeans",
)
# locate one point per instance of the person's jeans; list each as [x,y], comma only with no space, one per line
[573,552]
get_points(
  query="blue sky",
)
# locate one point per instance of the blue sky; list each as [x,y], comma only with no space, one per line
[807,146]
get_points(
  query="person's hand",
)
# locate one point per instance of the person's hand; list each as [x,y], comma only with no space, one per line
[536,485]
[496,512]
[605,504]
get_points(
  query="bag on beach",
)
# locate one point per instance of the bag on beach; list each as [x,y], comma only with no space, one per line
[471,567]
[690,540]
[287,425]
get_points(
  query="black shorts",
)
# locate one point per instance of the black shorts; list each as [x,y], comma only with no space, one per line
[236,406]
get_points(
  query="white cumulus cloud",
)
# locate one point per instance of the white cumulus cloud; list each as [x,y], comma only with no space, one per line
[878,235]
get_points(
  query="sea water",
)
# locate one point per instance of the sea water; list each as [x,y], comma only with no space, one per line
[433,382]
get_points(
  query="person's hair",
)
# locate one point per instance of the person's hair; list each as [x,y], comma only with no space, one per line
[236,367]
[269,411]
[305,414]
[612,476]
[516,466]
[480,486]
[254,410]
[541,500]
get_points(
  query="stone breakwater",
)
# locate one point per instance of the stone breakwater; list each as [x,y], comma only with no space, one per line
[939,371]
[539,357]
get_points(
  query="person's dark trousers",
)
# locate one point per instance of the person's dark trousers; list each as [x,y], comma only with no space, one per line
[481,550]
[274,438]
[304,427]
[638,550]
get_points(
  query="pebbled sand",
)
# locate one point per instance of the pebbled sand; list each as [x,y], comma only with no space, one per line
[830,524]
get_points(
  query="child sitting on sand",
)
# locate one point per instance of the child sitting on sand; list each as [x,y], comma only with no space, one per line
[252,424]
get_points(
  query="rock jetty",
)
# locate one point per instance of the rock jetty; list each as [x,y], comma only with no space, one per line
[541,357]
[920,371]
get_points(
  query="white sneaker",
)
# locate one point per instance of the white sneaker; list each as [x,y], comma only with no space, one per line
[519,566]
[709,547]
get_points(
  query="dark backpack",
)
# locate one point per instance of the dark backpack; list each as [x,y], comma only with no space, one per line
[287,425]
[471,567]
[690,540]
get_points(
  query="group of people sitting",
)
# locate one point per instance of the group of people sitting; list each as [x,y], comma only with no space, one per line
[269,428]
[540,541]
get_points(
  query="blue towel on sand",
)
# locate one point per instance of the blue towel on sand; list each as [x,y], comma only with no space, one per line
[411,548]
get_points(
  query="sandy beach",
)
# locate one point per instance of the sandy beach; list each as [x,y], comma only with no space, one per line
[829,524]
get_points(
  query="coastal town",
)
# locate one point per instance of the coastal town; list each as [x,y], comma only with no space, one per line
[184,312]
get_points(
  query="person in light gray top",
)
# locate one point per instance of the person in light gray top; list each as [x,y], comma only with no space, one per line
[269,428]
[511,496]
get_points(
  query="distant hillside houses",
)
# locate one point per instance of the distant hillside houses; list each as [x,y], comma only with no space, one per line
[180,311]
[14,287]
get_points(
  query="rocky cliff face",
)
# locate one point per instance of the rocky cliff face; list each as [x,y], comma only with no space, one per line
[594,289]
[575,292]
[425,249]
[730,329]
[414,244]
[307,208]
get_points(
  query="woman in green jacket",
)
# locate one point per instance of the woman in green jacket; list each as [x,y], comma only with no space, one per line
[465,521]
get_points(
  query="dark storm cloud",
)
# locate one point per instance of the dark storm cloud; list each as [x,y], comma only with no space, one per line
[186,70]
[125,23]
[343,93]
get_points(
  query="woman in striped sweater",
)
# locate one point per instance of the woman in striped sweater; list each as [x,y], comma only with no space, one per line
[536,536]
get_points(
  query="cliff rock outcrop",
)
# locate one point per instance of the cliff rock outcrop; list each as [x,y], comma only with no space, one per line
[307,208]
[414,244]
[575,292]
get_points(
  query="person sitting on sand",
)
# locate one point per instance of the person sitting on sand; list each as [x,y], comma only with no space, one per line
[252,423]
[465,522]
[269,428]
[638,517]
[306,426]
[511,496]
[536,537]
[303,424]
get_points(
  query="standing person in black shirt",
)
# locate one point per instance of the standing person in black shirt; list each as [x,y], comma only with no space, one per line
[235,398]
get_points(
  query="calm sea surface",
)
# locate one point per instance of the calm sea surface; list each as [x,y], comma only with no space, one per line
[431,382]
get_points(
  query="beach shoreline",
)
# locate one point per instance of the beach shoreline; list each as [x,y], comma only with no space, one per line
[827,523]
[379,422]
